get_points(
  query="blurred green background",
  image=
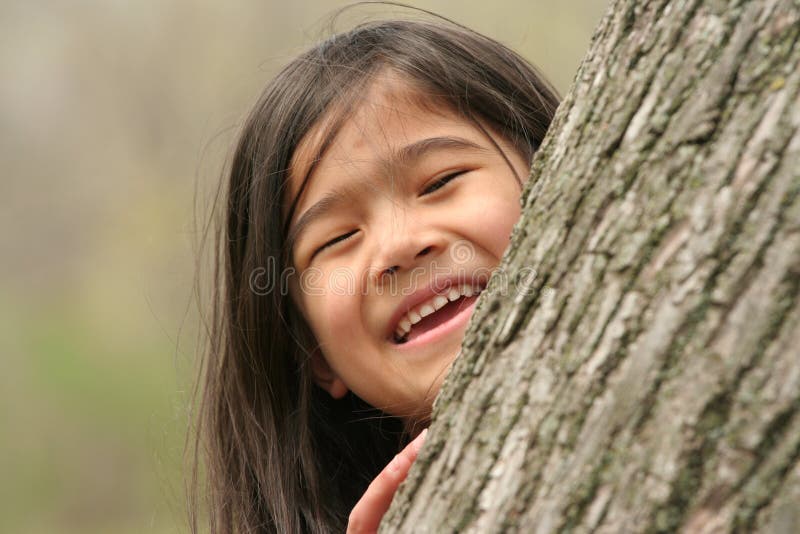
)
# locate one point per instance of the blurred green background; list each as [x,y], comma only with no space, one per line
[113,114]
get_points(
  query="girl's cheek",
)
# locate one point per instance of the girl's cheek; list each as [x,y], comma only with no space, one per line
[338,306]
[341,320]
[501,229]
[493,217]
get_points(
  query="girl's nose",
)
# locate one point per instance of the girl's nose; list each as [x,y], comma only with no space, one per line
[394,268]
[406,252]
[405,240]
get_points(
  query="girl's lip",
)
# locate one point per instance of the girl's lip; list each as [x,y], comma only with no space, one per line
[459,320]
[440,288]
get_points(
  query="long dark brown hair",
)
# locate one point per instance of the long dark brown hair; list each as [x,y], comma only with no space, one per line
[277,453]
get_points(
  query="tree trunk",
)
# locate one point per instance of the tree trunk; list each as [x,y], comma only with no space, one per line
[634,365]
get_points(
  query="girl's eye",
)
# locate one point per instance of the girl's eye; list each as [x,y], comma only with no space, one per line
[438,184]
[333,241]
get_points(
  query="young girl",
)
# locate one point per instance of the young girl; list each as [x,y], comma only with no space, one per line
[371,193]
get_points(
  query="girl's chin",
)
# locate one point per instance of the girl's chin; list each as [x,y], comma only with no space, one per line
[417,411]
[414,422]
[422,413]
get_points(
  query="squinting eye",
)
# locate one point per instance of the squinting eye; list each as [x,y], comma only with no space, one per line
[333,241]
[438,184]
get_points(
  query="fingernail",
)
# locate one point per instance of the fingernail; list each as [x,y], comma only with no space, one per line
[394,465]
[420,440]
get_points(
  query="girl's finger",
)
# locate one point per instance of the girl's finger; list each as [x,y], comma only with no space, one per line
[369,510]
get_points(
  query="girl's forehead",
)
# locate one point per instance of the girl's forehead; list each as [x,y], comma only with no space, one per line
[389,110]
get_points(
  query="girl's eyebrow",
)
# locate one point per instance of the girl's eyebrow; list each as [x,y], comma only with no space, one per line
[328,203]
[405,156]
[410,153]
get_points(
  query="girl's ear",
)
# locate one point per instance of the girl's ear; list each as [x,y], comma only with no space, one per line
[325,377]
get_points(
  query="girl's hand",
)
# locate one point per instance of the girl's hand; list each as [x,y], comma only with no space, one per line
[369,510]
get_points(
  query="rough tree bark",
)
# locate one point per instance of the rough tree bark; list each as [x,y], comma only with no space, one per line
[648,379]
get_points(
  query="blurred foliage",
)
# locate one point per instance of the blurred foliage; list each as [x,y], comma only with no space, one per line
[113,115]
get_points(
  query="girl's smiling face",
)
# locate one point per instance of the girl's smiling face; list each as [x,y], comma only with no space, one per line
[407,203]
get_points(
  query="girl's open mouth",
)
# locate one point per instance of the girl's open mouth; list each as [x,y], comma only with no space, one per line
[446,319]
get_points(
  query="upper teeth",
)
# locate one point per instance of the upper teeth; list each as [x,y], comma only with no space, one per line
[415,315]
